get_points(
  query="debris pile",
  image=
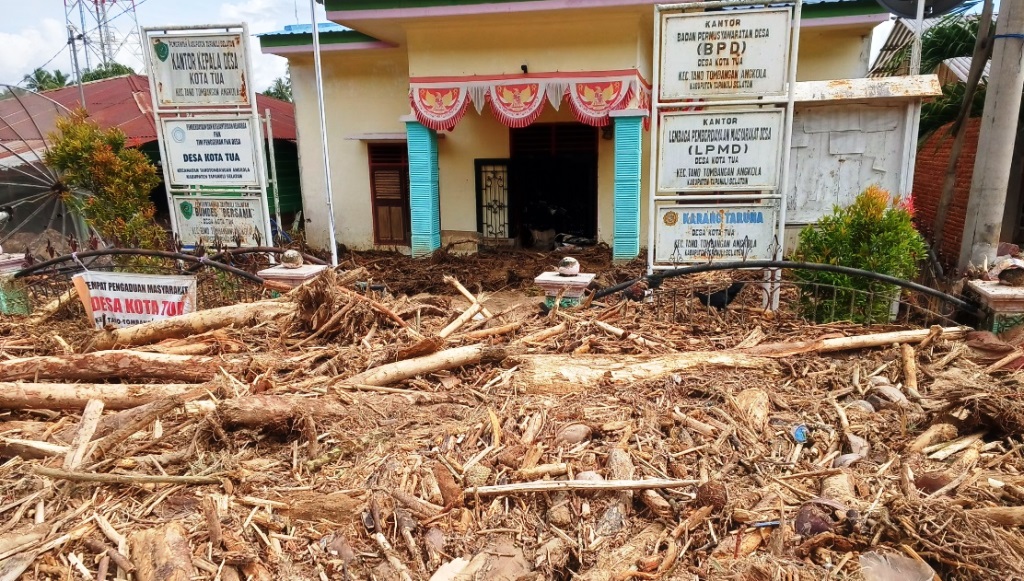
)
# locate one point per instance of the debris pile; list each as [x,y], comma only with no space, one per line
[339,433]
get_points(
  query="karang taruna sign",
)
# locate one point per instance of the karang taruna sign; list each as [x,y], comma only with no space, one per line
[706,233]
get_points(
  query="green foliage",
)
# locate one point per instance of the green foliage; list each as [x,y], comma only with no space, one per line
[944,109]
[107,71]
[281,88]
[875,233]
[118,179]
[43,80]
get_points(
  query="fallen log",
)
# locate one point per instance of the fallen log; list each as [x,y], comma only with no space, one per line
[162,554]
[563,374]
[440,361]
[240,315]
[789,348]
[1007,516]
[74,396]
[130,365]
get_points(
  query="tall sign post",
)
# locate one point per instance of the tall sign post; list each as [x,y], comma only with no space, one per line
[209,131]
[719,171]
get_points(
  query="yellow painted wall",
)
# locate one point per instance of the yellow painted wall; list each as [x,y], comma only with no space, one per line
[365,92]
[833,54]
[542,42]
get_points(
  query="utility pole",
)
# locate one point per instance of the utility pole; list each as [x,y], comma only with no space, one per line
[74,61]
[991,177]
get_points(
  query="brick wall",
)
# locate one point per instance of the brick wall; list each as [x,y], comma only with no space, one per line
[930,172]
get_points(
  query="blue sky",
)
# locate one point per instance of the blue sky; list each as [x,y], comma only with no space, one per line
[33,31]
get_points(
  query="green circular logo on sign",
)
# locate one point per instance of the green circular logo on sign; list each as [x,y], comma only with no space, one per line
[162,50]
[186,210]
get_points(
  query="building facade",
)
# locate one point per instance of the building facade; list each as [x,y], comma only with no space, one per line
[503,122]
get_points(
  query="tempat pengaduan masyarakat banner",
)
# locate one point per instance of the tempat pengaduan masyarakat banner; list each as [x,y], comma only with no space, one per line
[123,299]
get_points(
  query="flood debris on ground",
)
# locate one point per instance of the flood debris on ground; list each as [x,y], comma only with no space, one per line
[339,433]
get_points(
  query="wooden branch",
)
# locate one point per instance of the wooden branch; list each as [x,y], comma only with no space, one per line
[460,320]
[131,365]
[544,334]
[576,485]
[240,315]
[493,331]
[75,396]
[1007,516]
[623,334]
[90,420]
[377,307]
[442,360]
[122,478]
[465,292]
[100,548]
[910,370]
[789,348]
[51,308]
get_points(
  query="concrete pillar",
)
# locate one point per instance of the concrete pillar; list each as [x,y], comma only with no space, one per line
[628,155]
[424,200]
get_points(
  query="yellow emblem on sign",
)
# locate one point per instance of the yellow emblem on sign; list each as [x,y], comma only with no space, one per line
[670,218]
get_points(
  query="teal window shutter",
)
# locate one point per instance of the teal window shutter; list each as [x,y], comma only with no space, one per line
[626,233]
[424,203]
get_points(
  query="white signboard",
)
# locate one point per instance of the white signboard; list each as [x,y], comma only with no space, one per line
[734,53]
[736,150]
[211,151]
[199,69]
[123,299]
[232,219]
[706,233]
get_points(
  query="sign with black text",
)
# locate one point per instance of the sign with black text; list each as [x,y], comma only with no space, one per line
[199,69]
[211,151]
[707,233]
[124,299]
[226,218]
[735,53]
[735,150]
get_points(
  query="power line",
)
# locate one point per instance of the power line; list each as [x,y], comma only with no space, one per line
[47,63]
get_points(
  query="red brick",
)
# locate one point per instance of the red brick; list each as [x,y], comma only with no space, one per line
[929,174]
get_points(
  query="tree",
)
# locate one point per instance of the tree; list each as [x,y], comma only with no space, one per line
[43,80]
[281,88]
[116,178]
[107,71]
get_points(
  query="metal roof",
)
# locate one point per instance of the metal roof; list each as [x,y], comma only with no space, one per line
[960,68]
[125,102]
[307,29]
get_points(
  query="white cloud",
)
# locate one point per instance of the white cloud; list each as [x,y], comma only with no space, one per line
[30,47]
[267,16]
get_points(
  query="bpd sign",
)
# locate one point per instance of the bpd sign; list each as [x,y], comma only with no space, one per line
[736,53]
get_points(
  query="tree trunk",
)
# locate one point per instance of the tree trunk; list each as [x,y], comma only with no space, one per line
[442,360]
[565,374]
[239,315]
[789,348]
[131,365]
[162,554]
[74,396]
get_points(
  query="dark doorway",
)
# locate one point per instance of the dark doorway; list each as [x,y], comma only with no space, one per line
[389,192]
[552,182]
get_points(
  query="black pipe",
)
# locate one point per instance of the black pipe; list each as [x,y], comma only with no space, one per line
[656,278]
[139,252]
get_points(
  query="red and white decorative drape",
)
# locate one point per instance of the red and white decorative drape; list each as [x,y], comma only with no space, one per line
[517,101]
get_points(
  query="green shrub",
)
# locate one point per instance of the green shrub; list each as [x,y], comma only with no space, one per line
[875,233]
